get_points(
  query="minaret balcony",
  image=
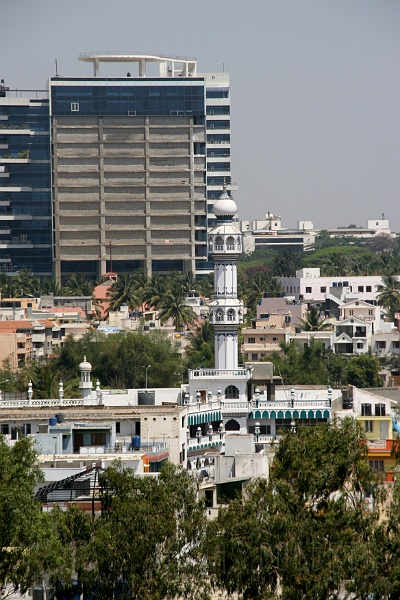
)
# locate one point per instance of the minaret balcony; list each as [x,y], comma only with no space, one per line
[225,312]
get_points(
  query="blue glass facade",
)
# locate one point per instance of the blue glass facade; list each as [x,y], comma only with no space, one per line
[25,187]
[109,97]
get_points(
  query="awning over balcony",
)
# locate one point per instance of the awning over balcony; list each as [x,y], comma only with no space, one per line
[290,414]
[206,417]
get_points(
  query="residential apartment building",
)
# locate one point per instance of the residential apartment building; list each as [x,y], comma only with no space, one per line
[308,285]
[25,184]
[25,341]
[265,336]
[376,415]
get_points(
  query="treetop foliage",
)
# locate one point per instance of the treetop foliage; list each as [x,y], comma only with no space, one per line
[320,527]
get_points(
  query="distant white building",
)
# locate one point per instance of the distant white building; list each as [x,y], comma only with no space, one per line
[308,285]
[269,233]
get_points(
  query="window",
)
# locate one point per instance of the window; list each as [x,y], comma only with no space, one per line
[323,289]
[380,410]
[118,427]
[98,439]
[377,465]
[251,340]
[369,426]
[370,312]
[231,314]
[254,357]
[274,339]
[219,315]
[308,290]
[232,392]
[396,344]
[368,288]
[74,106]
[360,345]
[366,410]
[360,288]
[5,429]
[351,312]
[230,243]
[381,345]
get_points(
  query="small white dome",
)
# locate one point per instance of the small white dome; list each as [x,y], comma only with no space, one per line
[85,365]
[225,206]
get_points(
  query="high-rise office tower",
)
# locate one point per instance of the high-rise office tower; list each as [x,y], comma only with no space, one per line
[137,164]
[25,183]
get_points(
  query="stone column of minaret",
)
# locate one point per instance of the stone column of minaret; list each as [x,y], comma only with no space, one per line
[226,311]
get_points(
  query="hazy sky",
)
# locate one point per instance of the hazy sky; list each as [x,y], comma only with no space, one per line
[315,88]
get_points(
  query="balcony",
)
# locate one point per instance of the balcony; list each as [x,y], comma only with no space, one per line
[205,441]
[220,373]
[234,408]
[38,338]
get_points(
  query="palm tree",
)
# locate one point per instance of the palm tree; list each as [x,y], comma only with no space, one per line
[97,308]
[259,285]
[78,285]
[205,286]
[155,291]
[389,296]
[200,350]
[174,307]
[123,291]
[188,282]
[141,281]
[314,322]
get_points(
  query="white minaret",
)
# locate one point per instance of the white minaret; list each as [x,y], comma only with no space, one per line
[226,311]
[85,384]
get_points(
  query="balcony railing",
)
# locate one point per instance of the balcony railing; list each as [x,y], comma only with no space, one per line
[204,407]
[223,373]
[279,404]
[46,403]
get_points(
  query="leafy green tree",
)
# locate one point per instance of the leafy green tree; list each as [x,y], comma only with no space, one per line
[389,295]
[260,257]
[46,379]
[363,371]
[118,360]
[301,365]
[287,262]
[303,533]
[200,350]
[147,543]
[314,321]
[66,553]
[20,525]
[340,260]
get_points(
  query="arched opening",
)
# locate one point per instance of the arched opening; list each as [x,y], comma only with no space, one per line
[219,243]
[232,425]
[219,315]
[232,392]
[231,315]
[230,243]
